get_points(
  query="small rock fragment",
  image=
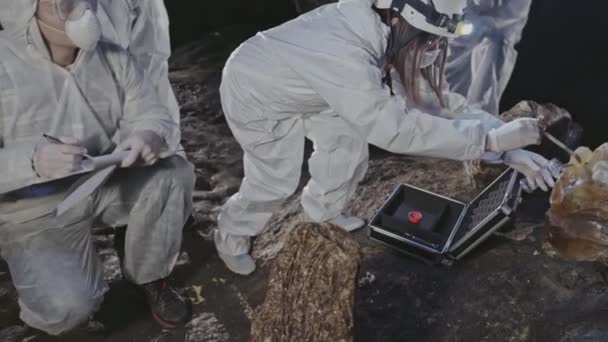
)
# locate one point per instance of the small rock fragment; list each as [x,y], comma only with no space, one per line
[206,327]
[183,259]
[367,279]
[197,298]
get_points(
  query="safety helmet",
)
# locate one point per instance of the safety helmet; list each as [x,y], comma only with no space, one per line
[443,18]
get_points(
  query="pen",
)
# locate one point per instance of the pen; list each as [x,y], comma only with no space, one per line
[58,141]
[52,139]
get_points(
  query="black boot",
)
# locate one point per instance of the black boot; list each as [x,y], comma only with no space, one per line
[168,307]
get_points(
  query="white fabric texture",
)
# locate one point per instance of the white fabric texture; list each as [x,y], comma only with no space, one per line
[514,134]
[142,28]
[242,264]
[348,223]
[100,97]
[480,65]
[320,76]
[84,31]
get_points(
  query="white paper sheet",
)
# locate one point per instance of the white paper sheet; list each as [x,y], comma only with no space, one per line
[101,168]
[85,189]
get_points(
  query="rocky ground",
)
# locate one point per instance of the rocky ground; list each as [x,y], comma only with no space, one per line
[508,290]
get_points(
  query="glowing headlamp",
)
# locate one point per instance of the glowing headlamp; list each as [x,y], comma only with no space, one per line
[464,28]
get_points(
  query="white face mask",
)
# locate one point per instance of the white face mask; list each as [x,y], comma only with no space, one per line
[83,27]
[428,58]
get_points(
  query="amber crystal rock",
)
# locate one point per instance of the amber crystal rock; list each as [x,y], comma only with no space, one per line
[577,223]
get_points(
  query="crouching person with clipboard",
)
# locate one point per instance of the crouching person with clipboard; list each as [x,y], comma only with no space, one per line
[57,78]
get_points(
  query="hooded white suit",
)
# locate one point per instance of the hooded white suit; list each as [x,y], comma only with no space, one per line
[320,76]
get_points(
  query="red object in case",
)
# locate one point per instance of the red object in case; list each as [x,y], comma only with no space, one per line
[414,217]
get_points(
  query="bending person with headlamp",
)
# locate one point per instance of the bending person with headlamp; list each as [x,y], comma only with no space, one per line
[347,75]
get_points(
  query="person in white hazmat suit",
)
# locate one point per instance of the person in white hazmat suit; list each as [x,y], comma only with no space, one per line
[326,76]
[57,78]
[479,65]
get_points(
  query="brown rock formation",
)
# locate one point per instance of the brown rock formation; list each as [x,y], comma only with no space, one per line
[577,225]
[311,290]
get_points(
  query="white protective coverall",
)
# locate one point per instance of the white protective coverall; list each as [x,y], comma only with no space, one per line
[320,76]
[142,28]
[480,65]
[52,260]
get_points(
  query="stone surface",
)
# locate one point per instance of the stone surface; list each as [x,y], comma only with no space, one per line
[206,327]
[578,219]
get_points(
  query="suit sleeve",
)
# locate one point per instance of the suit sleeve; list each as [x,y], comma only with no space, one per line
[143,110]
[352,86]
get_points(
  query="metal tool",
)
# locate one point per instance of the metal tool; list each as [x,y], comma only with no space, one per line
[563,146]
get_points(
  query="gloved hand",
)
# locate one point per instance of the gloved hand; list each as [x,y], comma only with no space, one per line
[146,145]
[513,135]
[534,166]
[53,160]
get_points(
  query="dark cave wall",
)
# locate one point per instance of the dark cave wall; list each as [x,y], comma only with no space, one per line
[563,59]
[562,56]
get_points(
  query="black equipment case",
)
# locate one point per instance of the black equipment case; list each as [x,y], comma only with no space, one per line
[448,229]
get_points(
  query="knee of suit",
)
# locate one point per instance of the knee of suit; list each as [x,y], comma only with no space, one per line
[357,146]
[176,172]
[272,191]
[60,314]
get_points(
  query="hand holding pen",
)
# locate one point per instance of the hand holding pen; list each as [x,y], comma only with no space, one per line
[66,141]
[58,157]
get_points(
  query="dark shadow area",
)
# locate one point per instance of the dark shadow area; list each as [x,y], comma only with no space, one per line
[191,19]
[562,59]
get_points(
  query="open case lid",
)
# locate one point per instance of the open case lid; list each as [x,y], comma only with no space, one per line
[448,228]
[486,213]
[440,215]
